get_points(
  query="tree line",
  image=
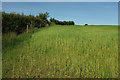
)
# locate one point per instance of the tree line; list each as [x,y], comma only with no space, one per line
[15,22]
[57,22]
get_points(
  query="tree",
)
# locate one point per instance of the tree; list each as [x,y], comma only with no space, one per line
[17,23]
[57,22]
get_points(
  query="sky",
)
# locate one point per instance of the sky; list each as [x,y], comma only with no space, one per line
[93,13]
[60,0]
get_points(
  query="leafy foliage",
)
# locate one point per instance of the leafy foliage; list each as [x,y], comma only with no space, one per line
[17,22]
[57,22]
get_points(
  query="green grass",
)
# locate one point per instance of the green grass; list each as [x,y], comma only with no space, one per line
[62,52]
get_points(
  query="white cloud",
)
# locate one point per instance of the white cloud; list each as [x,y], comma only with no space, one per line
[60,0]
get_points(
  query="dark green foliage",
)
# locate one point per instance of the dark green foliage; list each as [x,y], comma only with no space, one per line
[57,22]
[12,22]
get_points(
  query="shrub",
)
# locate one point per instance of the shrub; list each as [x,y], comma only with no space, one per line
[17,23]
[86,24]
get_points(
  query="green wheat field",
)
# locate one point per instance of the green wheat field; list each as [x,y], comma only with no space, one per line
[62,52]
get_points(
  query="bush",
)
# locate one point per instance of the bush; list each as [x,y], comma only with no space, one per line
[86,24]
[18,22]
[57,22]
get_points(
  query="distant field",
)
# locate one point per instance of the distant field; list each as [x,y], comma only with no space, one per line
[62,52]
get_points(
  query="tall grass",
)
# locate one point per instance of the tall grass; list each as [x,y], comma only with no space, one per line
[64,52]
